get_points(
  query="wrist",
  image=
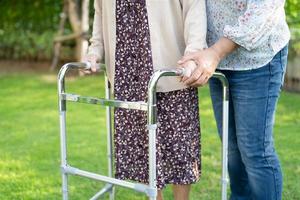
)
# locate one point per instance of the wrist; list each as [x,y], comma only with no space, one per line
[217,53]
[224,47]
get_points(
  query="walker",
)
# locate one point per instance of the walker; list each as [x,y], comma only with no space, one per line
[150,107]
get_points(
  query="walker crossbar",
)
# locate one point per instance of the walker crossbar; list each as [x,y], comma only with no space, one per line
[150,107]
[104,102]
[135,186]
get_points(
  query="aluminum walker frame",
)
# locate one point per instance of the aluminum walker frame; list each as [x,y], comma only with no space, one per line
[150,107]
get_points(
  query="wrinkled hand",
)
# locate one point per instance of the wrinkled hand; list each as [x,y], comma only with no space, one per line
[206,60]
[189,67]
[93,60]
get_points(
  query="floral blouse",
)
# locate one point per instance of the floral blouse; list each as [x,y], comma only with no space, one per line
[258,26]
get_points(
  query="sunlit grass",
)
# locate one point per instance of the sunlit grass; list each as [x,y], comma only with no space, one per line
[29,141]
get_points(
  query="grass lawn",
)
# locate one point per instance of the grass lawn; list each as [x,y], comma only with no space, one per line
[29,141]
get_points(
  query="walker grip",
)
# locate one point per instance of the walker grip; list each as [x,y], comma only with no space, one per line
[85,66]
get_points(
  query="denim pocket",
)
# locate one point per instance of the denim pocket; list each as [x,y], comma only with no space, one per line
[283,61]
[284,57]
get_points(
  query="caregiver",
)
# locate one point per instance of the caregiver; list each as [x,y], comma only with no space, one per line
[248,43]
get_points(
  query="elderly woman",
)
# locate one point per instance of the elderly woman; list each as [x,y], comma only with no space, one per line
[137,37]
[248,43]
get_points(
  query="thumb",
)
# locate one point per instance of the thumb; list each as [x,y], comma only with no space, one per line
[93,61]
[94,65]
[186,58]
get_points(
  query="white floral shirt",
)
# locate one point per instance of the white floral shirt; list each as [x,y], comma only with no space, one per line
[258,26]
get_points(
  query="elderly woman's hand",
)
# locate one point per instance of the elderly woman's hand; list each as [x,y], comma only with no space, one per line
[93,60]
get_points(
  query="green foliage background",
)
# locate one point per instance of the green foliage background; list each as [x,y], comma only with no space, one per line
[293,18]
[27,27]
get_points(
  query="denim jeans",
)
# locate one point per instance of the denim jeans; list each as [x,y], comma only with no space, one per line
[254,168]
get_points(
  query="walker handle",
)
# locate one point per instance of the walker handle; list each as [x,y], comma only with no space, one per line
[85,66]
[180,71]
[75,66]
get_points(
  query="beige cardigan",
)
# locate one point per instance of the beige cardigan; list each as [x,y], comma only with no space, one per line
[176,27]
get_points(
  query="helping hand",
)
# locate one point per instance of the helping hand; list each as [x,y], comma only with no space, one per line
[206,60]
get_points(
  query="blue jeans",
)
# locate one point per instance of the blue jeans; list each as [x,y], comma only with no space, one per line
[254,168]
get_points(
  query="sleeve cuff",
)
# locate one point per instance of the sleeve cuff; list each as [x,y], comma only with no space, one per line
[238,38]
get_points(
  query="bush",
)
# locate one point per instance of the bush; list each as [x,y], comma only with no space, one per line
[27,28]
[293,17]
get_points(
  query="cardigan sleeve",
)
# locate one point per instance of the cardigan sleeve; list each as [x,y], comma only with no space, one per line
[255,26]
[195,24]
[97,48]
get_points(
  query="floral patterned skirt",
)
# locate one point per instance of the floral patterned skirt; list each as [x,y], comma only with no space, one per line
[178,135]
[178,140]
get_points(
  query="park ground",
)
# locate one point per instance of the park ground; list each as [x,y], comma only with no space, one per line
[29,140]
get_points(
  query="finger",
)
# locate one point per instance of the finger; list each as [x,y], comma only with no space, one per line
[94,66]
[200,82]
[85,71]
[187,74]
[189,68]
[194,77]
[204,77]
[206,80]
[184,78]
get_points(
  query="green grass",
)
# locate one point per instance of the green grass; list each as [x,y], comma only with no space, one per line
[29,141]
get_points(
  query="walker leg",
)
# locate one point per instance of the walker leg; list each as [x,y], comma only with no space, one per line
[152,127]
[107,188]
[152,161]
[63,140]
[63,154]
[225,142]
[109,137]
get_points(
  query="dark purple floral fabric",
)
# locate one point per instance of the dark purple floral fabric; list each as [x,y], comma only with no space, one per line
[178,135]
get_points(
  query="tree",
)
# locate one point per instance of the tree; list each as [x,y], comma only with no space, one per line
[78,14]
